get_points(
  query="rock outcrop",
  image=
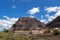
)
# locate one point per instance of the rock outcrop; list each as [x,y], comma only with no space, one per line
[55,23]
[27,23]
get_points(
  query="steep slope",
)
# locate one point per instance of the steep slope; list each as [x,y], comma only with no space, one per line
[55,23]
[27,23]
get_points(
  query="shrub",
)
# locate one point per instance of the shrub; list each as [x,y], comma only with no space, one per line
[47,31]
[6,30]
[56,32]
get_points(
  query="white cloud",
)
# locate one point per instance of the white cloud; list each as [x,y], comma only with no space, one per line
[43,21]
[6,17]
[7,23]
[1,29]
[57,13]
[13,6]
[46,15]
[33,11]
[42,16]
[38,19]
[50,18]
[53,9]
[31,16]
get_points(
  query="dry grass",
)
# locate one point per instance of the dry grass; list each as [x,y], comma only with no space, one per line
[12,36]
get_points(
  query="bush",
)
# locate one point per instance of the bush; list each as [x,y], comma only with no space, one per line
[56,32]
[6,30]
[47,31]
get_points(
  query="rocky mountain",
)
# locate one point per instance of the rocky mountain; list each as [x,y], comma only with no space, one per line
[27,23]
[55,23]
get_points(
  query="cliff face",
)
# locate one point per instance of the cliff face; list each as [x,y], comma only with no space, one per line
[55,23]
[27,23]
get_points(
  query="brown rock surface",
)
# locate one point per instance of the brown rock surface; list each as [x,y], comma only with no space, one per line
[27,23]
[55,23]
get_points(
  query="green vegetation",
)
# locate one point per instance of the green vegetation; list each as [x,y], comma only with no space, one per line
[12,36]
[47,31]
[56,32]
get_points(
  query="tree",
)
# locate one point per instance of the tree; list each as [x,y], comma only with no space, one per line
[6,30]
[47,31]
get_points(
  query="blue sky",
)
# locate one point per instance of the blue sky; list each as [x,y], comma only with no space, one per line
[22,6]
[43,10]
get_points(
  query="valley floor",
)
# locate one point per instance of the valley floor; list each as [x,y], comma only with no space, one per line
[12,36]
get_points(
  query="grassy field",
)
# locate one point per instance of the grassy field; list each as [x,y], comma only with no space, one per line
[12,36]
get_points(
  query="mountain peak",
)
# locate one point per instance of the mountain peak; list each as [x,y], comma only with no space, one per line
[55,23]
[27,23]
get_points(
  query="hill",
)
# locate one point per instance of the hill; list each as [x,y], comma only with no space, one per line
[55,23]
[27,23]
